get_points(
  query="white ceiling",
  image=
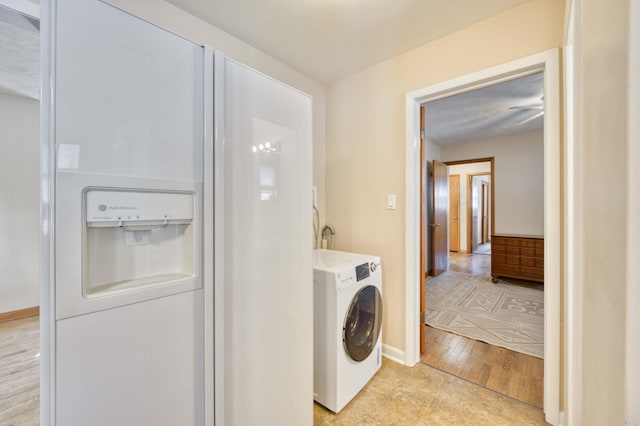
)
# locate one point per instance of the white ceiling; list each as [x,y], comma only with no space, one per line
[330,39]
[499,110]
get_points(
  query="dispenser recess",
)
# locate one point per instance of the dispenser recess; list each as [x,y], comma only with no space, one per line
[137,239]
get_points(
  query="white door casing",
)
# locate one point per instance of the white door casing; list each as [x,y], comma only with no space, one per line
[548,62]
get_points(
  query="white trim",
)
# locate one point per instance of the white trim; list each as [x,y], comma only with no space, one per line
[208,243]
[549,62]
[412,238]
[47,216]
[218,169]
[394,354]
[552,232]
[633,228]
[572,221]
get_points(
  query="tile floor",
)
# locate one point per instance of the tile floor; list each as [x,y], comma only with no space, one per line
[422,395]
[397,395]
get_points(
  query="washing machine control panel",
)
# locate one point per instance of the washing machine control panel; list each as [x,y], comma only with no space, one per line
[362,271]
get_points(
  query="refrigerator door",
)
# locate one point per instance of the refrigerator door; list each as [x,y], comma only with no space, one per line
[124,319]
[267,261]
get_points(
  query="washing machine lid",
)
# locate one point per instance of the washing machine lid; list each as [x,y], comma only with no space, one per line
[362,323]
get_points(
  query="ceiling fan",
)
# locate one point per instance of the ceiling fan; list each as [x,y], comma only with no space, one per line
[538,107]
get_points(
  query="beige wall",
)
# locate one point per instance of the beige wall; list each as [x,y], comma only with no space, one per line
[519,175]
[19,203]
[366,131]
[170,17]
[603,69]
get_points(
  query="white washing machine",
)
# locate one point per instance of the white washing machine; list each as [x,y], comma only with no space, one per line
[347,291]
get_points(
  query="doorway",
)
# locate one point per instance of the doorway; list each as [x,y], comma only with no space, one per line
[461,333]
[548,62]
[454,213]
[472,187]
[480,213]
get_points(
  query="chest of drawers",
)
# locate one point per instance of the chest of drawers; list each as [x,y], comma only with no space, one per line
[515,256]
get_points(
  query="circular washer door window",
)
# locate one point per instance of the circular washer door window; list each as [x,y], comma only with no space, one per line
[362,323]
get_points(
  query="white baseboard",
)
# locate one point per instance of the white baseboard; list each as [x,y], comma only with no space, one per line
[394,354]
[563,418]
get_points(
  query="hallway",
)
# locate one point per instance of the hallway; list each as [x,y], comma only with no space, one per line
[474,264]
[502,370]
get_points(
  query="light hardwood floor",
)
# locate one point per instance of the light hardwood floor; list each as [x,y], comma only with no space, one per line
[475,264]
[505,371]
[502,370]
[20,372]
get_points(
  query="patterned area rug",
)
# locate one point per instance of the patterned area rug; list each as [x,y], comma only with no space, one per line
[506,315]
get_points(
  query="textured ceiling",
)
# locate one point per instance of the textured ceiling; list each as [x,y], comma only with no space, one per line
[330,39]
[502,109]
[19,55]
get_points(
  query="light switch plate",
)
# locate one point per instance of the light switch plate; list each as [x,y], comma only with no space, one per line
[391,202]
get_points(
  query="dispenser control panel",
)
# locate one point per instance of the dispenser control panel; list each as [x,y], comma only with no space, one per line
[117,208]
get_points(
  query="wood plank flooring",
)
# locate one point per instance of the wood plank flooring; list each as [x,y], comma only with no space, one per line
[502,370]
[20,372]
[475,264]
[505,371]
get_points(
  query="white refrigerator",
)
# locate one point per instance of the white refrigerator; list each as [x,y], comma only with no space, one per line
[176,252]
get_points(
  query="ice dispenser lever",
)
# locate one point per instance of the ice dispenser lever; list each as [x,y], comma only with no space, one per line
[137,210]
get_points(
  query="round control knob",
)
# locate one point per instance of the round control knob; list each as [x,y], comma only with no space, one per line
[373,267]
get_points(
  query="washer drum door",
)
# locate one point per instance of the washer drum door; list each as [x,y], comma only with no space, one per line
[362,323]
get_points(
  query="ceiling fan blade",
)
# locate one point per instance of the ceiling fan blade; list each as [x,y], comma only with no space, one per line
[534,116]
[537,107]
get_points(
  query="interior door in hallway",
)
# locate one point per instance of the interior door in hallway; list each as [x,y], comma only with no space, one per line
[475,210]
[454,213]
[485,212]
[440,204]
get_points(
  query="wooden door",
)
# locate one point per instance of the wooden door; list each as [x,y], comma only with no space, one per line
[475,212]
[439,226]
[454,213]
[485,212]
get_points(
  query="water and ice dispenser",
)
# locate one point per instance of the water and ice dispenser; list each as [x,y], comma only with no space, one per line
[136,239]
[125,240]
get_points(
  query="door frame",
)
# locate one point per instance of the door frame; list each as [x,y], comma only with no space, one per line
[633,242]
[491,173]
[470,177]
[450,213]
[547,61]
[485,235]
